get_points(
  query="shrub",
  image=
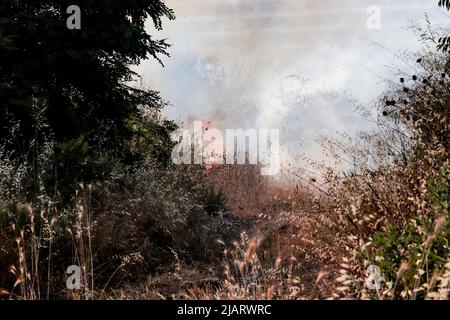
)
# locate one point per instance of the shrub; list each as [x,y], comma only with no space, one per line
[421,246]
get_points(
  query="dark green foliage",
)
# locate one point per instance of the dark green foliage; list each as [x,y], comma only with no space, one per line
[79,79]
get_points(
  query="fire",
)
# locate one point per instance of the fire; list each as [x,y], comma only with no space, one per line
[212,148]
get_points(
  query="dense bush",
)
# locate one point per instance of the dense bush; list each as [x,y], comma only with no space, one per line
[79,82]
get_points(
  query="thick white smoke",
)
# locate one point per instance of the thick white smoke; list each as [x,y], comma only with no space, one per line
[293,65]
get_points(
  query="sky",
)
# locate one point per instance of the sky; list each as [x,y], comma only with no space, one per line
[301,66]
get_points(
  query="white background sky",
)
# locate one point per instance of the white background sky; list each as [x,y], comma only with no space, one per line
[294,65]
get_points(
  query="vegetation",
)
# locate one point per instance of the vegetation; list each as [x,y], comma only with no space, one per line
[72,85]
[85,180]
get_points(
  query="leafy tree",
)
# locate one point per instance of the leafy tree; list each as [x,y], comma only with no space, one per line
[77,81]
